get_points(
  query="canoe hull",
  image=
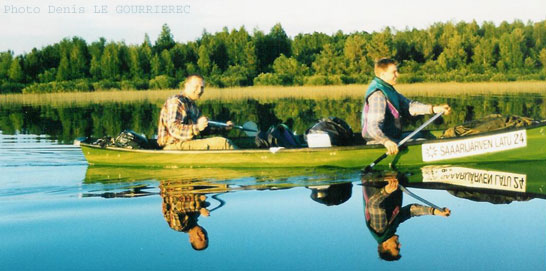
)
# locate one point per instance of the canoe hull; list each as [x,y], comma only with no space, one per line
[346,157]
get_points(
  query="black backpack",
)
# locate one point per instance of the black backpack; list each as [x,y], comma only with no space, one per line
[277,136]
[338,130]
[131,140]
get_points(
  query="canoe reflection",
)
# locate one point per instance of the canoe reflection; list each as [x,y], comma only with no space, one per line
[190,194]
[497,183]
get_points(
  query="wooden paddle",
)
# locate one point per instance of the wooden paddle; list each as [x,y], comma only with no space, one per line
[250,128]
[370,166]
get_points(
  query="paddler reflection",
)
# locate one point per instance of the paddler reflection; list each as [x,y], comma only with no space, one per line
[182,205]
[384,212]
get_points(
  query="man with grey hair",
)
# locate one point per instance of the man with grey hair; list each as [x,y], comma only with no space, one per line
[180,121]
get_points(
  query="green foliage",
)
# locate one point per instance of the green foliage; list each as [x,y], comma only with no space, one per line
[106,84]
[60,86]
[15,72]
[165,41]
[267,79]
[289,70]
[322,80]
[269,47]
[162,82]
[110,62]
[463,52]
[236,76]
[63,71]
[5,63]
[10,87]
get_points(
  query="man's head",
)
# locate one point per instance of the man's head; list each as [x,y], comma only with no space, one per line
[199,239]
[389,250]
[387,70]
[194,86]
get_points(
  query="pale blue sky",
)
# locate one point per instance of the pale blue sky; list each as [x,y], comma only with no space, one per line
[22,32]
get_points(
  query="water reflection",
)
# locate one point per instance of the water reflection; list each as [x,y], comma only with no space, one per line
[182,205]
[48,205]
[384,213]
[188,194]
[332,194]
[108,119]
[495,183]
[491,182]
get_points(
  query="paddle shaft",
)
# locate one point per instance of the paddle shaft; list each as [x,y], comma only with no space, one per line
[419,198]
[368,168]
[222,124]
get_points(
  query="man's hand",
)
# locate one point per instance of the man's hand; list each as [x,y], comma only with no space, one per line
[392,148]
[202,123]
[229,125]
[392,184]
[441,108]
[204,212]
[445,212]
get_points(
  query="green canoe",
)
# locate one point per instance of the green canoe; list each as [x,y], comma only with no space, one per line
[523,144]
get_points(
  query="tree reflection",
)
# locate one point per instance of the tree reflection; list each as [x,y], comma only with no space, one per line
[108,119]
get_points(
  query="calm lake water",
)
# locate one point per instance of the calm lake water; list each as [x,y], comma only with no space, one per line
[57,213]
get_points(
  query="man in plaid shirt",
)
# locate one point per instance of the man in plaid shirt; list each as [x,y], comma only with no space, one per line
[384,106]
[383,213]
[180,121]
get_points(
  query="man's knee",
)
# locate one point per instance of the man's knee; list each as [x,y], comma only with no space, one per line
[221,143]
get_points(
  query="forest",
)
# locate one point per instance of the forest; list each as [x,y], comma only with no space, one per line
[450,51]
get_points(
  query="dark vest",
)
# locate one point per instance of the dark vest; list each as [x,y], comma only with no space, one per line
[392,205]
[391,125]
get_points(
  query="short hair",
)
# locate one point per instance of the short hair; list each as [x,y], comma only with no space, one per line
[382,65]
[386,254]
[192,76]
[201,248]
[207,241]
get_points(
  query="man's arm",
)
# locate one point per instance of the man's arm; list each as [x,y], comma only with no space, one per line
[418,210]
[176,115]
[416,108]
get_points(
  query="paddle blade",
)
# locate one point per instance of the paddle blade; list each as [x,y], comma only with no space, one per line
[250,128]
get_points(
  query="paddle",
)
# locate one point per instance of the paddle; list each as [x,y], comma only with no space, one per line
[370,166]
[250,128]
[419,198]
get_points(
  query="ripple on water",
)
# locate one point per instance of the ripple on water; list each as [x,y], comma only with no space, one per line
[37,150]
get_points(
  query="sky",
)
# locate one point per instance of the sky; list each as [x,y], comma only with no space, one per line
[25,24]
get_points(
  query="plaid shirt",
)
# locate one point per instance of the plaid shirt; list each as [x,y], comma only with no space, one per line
[375,116]
[180,206]
[378,216]
[177,121]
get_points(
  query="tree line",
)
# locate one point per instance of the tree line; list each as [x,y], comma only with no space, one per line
[463,51]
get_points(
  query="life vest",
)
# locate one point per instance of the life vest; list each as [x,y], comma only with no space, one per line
[393,205]
[391,125]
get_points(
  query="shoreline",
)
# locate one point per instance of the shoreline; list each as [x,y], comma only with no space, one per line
[272,93]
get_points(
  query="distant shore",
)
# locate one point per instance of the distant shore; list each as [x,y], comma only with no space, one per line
[266,93]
